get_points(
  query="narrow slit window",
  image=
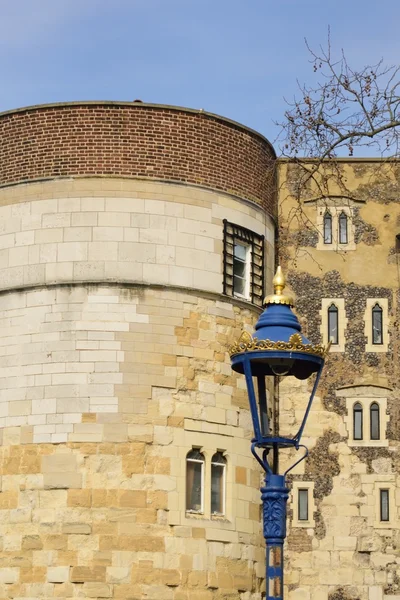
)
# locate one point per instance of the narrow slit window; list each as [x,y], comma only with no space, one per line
[343,229]
[333,324]
[218,473]
[357,422]
[241,270]
[303,505]
[384,505]
[327,228]
[374,421]
[377,324]
[194,481]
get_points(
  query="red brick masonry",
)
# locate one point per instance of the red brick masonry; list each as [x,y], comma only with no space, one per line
[136,140]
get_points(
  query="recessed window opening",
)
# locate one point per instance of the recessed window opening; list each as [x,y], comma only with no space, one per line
[243,263]
[374,421]
[357,422]
[195,481]
[327,228]
[218,478]
[241,269]
[384,505]
[377,324]
[333,324]
[302,504]
[343,231]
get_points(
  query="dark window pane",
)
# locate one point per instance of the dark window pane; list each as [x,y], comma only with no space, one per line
[333,324]
[374,418]
[327,228]
[239,285]
[217,480]
[303,505]
[358,422]
[377,331]
[239,268]
[343,239]
[384,502]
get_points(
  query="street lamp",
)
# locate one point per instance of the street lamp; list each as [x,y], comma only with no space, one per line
[281,350]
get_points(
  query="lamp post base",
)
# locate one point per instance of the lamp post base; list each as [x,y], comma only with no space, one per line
[274,498]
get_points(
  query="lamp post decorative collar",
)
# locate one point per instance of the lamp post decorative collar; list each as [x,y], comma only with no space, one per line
[278,349]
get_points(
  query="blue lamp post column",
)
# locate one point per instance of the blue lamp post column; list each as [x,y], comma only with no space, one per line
[278,348]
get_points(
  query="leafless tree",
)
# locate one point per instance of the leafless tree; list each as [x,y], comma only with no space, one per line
[346,112]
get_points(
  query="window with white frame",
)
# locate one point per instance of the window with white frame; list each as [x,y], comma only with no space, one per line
[241,270]
[195,481]
[303,504]
[218,485]
[376,325]
[243,263]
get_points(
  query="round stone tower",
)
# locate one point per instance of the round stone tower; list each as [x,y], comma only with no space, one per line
[136,241]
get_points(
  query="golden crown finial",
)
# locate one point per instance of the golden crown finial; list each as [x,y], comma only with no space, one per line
[279,282]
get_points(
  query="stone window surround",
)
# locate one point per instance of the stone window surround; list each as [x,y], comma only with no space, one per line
[303,485]
[366,395]
[383,303]
[335,212]
[393,518]
[339,303]
[208,453]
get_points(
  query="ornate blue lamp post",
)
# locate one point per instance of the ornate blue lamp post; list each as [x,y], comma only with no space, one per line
[279,349]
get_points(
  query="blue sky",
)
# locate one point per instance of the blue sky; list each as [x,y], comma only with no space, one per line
[237,58]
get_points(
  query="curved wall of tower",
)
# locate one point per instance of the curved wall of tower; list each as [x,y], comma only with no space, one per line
[113,342]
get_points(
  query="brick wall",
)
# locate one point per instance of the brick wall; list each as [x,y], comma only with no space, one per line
[136,140]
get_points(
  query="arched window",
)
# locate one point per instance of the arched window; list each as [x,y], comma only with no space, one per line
[333,324]
[218,473]
[357,422]
[374,421]
[343,235]
[377,324]
[327,228]
[195,481]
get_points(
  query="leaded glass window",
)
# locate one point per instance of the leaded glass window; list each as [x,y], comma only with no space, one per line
[333,324]
[357,422]
[194,481]
[327,228]
[218,471]
[377,324]
[384,504]
[303,504]
[343,230]
[374,421]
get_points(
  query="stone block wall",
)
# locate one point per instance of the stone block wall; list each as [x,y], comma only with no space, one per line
[114,333]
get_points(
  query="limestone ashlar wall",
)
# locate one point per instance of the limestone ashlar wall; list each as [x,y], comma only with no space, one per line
[136,140]
[119,230]
[113,366]
[133,379]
